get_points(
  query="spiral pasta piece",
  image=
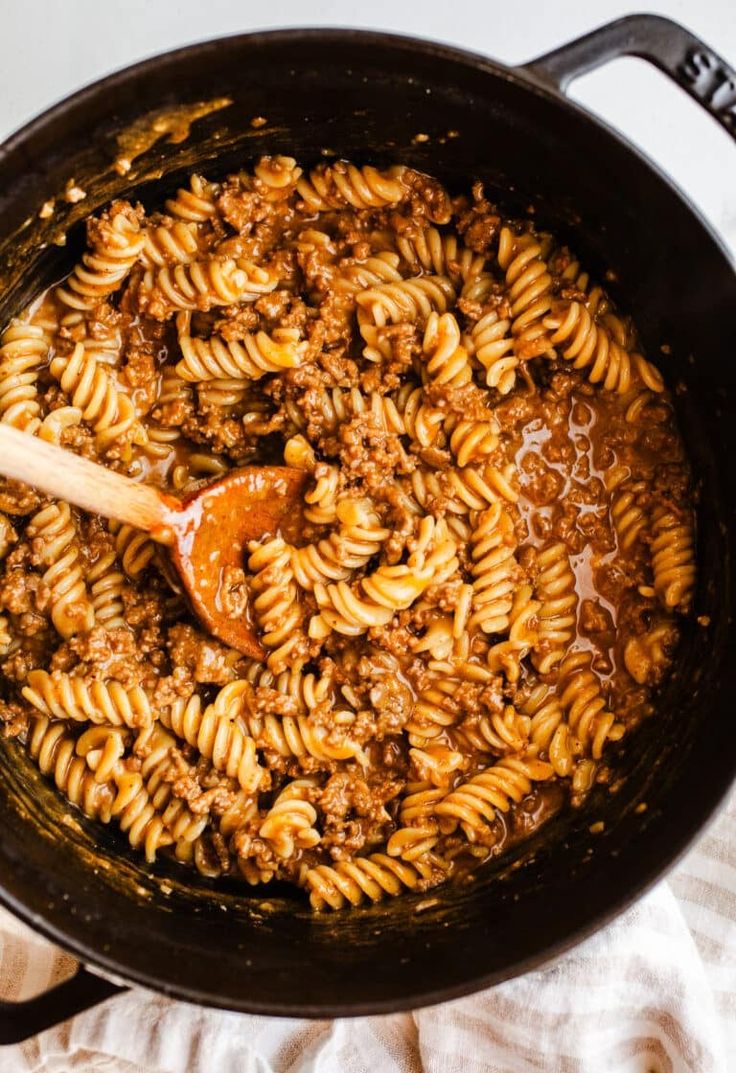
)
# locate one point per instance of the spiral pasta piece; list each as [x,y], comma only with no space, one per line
[529,292]
[223,394]
[380,268]
[197,466]
[474,441]
[581,696]
[495,570]
[358,538]
[473,804]
[278,174]
[599,306]
[438,639]
[173,390]
[387,590]
[6,637]
[321,501]
[418,418]
[23,352]
[372,878]
[102,747]
[298,737]
[555,589]
[299,453]
[55,544]
[629,517]
[479,288]
[571,274]
[637,410]
[155,744]
[218,281]
[200,854]
[439,254]
[308,691]
[313,239]
[673,558]
[289,825]
[493,346]
[461,491]
[242,808]
[116,245]
[53,748]
[136,815]
[106,590]
[254,357]
[91,389]
[371,324]
[590,346]
[332,186]
[414,842]
[8,536]
[133,547]
[435,709]
[217,738]
[418,805]
[53,425]
[346,611]
[440,764]
[409,301]
[337,405]
[523,635]
[447,359]
[549,733]
[197,204]
[233,700]
[61,696]
[277,607]
[647,655]
[501,732]
[174,244]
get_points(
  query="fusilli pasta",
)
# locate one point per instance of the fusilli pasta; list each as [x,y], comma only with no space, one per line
[473,601]
[55,545]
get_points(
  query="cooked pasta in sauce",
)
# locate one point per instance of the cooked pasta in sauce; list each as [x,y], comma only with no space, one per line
[497,535]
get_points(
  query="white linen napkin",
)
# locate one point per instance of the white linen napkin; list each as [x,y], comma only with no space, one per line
[654,992]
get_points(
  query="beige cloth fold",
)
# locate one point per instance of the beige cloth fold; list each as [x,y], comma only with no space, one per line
[655,992]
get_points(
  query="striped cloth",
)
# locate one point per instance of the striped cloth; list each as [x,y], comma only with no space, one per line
[655,992]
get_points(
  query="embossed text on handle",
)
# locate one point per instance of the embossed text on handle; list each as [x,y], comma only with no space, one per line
[711,82]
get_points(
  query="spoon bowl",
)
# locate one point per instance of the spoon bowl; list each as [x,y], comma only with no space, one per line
[211,531]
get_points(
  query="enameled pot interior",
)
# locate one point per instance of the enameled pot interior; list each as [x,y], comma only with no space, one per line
[369,98]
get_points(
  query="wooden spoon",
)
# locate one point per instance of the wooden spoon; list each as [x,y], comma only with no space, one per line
[206,533]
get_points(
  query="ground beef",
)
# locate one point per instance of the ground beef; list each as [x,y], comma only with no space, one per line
[310,760]
[207,660]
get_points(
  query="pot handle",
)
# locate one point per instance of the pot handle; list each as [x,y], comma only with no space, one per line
[19,1020]
[689,62]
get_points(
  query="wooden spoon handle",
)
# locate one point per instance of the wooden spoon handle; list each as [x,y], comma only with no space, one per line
[95,488]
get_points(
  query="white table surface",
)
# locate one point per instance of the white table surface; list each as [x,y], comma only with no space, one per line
[50,48]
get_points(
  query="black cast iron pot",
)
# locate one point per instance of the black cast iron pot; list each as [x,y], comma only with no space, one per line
[367,96]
